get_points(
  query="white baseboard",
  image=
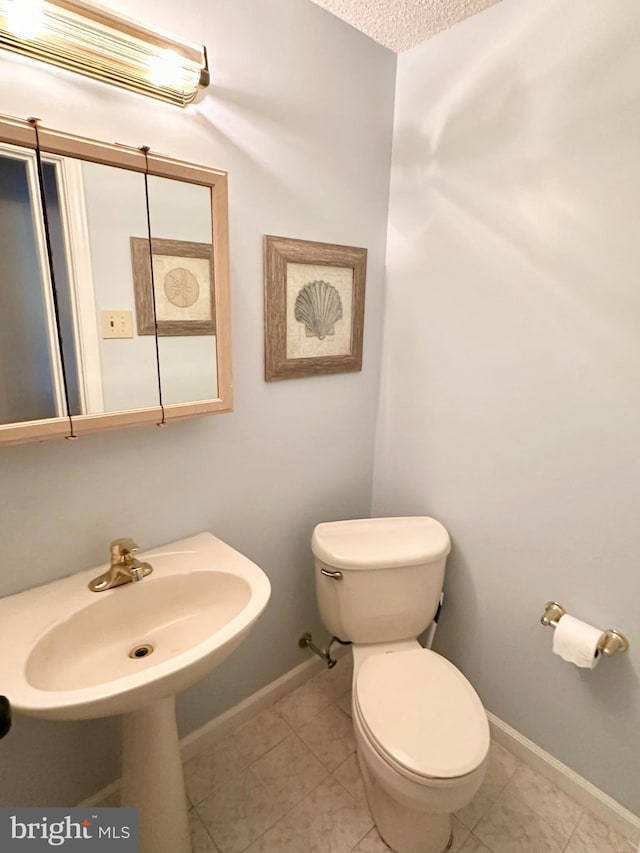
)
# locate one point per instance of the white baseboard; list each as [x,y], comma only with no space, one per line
[577,787]
[586,794]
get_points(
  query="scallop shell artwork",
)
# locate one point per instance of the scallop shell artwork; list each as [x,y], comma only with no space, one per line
[319,306]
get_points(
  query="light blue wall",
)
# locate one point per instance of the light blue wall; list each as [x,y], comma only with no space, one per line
[510,406]
[300,114]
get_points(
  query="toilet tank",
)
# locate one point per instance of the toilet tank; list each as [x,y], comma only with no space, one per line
[390,576]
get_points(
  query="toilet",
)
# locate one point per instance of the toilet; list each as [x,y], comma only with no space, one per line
[422,733]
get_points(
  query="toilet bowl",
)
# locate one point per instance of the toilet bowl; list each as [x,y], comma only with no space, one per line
[422,737]
[422,734]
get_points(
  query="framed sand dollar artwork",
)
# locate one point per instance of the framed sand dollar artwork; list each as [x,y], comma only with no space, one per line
[178,282]
[314,307]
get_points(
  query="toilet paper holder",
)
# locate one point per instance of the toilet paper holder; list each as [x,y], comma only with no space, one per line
[611,641]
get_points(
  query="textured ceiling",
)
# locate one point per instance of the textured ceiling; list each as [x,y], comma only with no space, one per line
[401,24]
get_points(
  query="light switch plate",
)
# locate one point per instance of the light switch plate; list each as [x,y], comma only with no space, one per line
[116,324]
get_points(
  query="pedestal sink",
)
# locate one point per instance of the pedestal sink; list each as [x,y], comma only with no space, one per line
[73,654]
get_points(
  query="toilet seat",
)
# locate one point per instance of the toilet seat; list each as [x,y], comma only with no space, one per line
[421,715]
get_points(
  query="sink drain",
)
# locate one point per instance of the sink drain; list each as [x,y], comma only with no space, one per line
[142,651]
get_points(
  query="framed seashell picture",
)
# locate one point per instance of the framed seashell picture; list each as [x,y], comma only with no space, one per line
[314,307]
[173,288]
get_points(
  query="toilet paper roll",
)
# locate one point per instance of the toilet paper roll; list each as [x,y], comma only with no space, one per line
[577,642]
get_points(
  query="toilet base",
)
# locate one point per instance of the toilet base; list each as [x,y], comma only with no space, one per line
[402,829]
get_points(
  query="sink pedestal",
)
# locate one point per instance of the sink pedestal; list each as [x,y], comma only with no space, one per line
[152,778]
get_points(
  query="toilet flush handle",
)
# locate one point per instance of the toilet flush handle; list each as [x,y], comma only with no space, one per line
[337,576]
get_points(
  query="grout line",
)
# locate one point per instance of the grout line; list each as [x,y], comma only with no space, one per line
[362,837]
[475,838]
[582,817]
[267,751]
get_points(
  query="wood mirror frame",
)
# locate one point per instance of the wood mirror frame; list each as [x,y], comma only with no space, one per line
[22,133]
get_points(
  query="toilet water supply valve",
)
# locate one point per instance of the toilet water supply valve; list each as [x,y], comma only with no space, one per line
[306,642]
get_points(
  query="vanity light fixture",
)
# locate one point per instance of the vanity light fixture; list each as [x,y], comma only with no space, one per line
[98,43]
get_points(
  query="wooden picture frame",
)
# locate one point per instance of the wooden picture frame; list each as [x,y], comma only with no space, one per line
[314,308]
[184,287]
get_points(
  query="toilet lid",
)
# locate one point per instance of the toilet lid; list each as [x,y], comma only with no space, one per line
[421,711]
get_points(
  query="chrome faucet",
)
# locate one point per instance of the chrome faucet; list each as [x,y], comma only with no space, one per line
[124,568]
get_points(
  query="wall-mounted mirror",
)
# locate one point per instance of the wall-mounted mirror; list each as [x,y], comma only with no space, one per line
[114,286]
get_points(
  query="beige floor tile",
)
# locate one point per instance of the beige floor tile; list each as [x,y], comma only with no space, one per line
[593,836]
[330,736]
[201,841]
[238,811]
[472,845]
[552,804]
[460,834]
[337,680]
[259,735]
[348,774]
[634,838]
[228,758]
[267,790]
[303,704]
[290,771]
[344,702]
[280,838]
[502,766]
[372,843]
[214,766]
[329,820]
[510,826]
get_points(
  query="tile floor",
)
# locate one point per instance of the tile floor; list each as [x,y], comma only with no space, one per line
[287,781]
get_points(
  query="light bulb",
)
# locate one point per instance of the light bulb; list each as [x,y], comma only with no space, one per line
[166,68]
[25,18]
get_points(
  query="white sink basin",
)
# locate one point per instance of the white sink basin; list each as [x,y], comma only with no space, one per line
[67,648]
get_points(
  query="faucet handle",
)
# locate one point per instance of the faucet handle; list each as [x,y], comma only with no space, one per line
[123,547]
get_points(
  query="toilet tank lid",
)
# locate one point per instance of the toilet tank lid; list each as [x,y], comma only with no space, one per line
[370,543]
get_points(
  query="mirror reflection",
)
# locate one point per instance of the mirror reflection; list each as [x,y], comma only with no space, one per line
[103,354]
[31,384]
[183,283]
[118,365]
